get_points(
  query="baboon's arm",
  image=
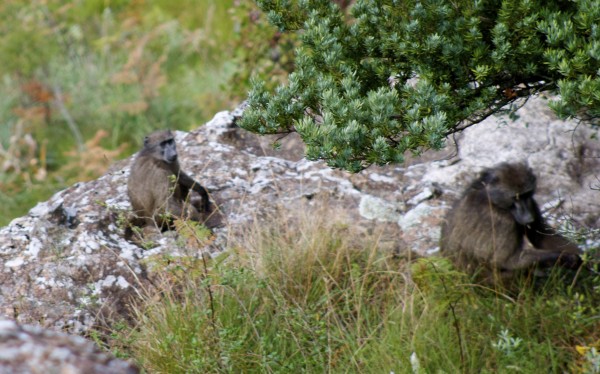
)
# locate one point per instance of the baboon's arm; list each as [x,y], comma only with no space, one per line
[527,258]
[190,184]
[544,237]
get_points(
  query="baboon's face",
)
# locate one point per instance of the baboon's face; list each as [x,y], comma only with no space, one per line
[169,150]
[162,145]
[511,187]
[522,208]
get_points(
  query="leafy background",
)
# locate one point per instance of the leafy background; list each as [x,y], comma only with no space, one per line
[82,82]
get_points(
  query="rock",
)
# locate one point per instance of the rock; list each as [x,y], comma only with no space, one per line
[375,208]
[66,265]
[421,227]
[31,349]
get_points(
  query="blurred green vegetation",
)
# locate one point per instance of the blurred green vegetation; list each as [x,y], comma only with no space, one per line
[83,81]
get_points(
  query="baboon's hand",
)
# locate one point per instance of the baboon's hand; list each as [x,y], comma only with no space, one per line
[570,261]
[202,204]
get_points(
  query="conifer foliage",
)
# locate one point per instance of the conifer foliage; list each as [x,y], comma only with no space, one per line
[397,76]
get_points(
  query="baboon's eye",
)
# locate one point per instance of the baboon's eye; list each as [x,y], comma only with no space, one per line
[526,195]
[166,142]
[523,196]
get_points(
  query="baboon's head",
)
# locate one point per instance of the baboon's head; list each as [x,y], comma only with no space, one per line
[511,187]
[161,144]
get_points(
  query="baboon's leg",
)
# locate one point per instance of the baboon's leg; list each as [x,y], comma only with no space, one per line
[183,210]
[527,258]
[193,214]
[175,208]
[198,204]
[131,223]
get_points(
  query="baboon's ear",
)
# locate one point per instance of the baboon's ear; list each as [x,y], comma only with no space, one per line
[145,140]
[488,176]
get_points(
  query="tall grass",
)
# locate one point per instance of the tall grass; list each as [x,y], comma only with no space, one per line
[314,294]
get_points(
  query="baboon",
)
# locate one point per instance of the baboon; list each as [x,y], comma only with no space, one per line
[484,232]
[157,187]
